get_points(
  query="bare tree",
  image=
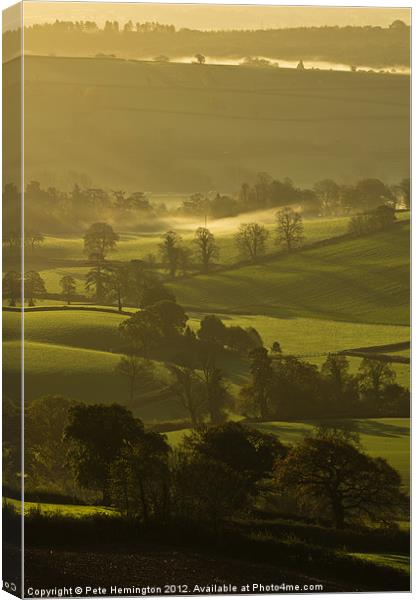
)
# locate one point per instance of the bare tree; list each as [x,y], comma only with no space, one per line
[137,371]
[189,389]
[207,247]
[290,228]
[251,240]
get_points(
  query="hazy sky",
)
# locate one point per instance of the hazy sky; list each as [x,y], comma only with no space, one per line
[213,17]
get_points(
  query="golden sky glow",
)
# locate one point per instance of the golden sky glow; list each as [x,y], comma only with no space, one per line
[213,17]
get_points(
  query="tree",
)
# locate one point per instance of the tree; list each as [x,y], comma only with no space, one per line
[212,330]
[290,228]
[137,371]
[118,283]
[45,451]
[145,288]
[241,340]
[184,259]
[398,24]
[372,193]
[12,287]
[206,491]
[257,394]
[247,451]
[97,278]
[251,240]
[296,390]
[169,251]
[99,240]
[170,317]
[98,434]
[68,287]
[207,247]
[189,389]
[139,477]
[34,286]
[339,386]
[141,331]
[374,375]
[327,191]
[201,59]
[336,370]
[217,393]
[330,473]
[276,348]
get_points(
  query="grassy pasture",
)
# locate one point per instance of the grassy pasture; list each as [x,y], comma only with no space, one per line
[85,375]
[364,280]
[65,510]
[133,246]
[209,127]
[389,438]
[323,335]
[396,561]
[89,330]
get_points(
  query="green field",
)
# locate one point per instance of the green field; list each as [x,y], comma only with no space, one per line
[134,246]
[209,127]
[365,280]
[83,375]
[342,295]
[67,510]
[90,330]
[396,561]
[389,438]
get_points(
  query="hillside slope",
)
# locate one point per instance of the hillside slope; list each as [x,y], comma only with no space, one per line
[188,127]
[364,280]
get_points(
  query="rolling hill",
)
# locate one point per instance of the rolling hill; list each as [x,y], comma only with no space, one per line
[364,280]
[186,127]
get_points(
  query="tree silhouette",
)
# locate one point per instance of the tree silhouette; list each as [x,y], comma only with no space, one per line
[137,371]
[97,278]
[290,228]
[68,287]
[330,473]
[258,392]
[34,286]
[169,251]
[374,375]
[12,287]
[207,247]
[189,389]
[251,240]
[100,239]
[141,331]
[98,434]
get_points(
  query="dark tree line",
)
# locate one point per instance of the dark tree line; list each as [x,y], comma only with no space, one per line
[51,209]
[193,358]
[220,472]
[324,198]
[216,473]
[286,387]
